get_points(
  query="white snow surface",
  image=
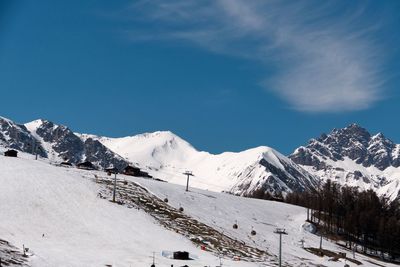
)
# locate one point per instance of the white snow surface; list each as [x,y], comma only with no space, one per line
[167,156]
[81,229]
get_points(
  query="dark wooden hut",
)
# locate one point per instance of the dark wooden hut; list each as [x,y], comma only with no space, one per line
[145,174]
[66,164]
[132,171]
[135,171]
[87,165]
[111,170]
[11,153]
[181,255]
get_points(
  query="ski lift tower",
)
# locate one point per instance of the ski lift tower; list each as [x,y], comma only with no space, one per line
[280,232]
[188,174]
[113,170]
[154,260]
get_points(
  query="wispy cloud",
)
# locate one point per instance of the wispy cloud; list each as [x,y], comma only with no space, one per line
[324,55]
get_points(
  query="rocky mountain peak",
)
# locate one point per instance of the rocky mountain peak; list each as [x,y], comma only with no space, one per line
[349,135]
[18,137]
[63,144]
[353,142]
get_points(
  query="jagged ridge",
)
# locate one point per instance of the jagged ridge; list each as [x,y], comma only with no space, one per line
[353,156]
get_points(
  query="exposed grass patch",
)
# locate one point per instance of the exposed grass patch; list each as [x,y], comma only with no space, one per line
[334,256]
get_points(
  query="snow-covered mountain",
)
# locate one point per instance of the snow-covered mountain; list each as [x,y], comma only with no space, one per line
[353,156]
[16,136]
[61,144]
[350,156]
[166,156]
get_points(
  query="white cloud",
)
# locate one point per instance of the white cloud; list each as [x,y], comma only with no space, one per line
[325,56]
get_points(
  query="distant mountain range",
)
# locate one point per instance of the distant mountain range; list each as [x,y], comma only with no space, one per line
[352,156]
[349,156]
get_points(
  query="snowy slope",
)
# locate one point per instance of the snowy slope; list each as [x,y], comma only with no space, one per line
[158,149]
[166,156]
[221,211]
[82,229]
[79,228]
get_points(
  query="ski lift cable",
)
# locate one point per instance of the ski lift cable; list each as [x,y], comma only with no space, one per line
[176,174]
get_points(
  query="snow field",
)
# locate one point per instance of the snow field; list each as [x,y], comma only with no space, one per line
[81,229]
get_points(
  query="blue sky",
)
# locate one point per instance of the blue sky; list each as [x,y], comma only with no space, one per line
[224,75]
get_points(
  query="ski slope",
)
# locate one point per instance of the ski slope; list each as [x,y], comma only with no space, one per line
[79,228]
[221,211]
[82,229]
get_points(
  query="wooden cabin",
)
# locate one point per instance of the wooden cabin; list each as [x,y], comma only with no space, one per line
[145,174]
[111,170]
[87,165]
[135,171]
[131,170]
[66,164]
[11,153]
[181,255]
